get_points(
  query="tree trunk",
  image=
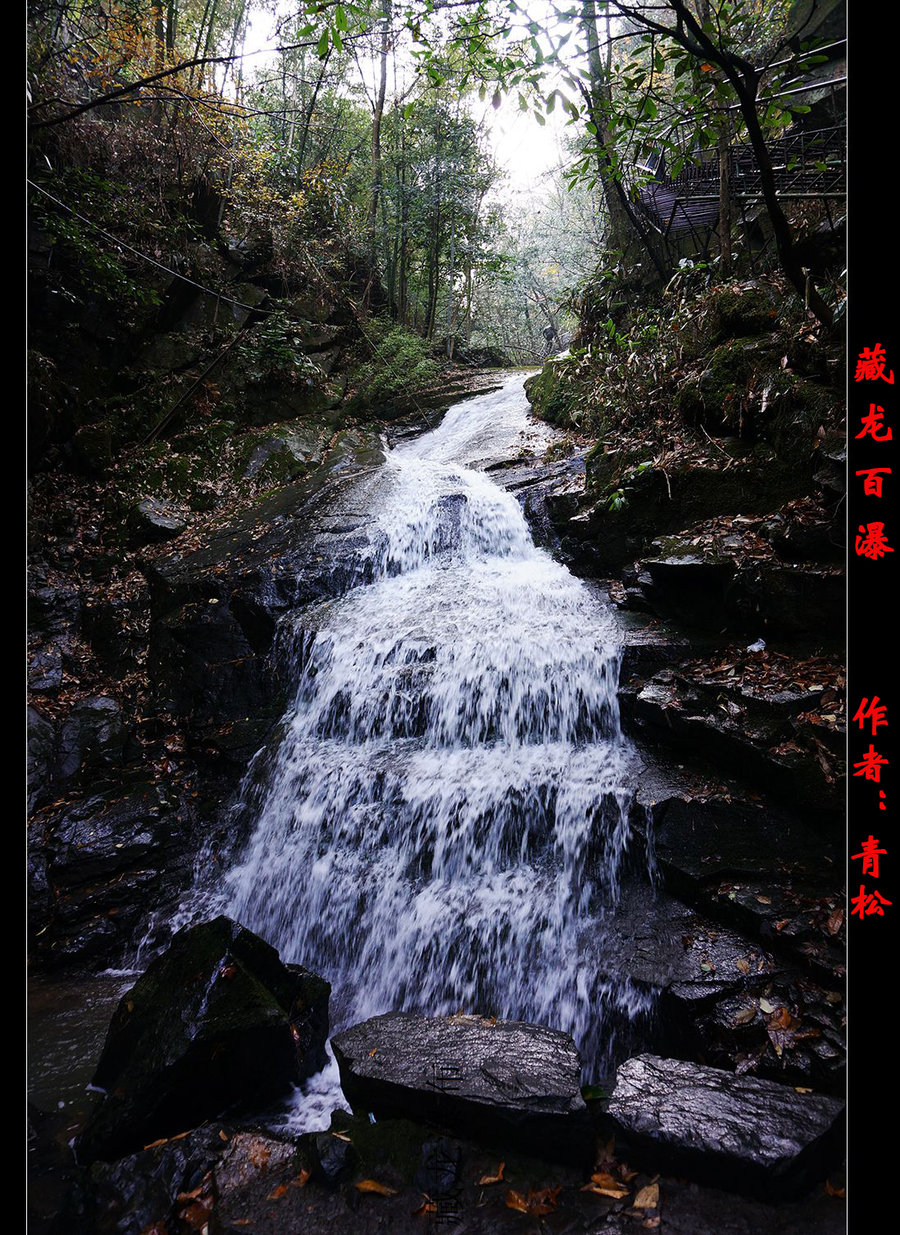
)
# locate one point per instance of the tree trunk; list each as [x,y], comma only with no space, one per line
[377,115]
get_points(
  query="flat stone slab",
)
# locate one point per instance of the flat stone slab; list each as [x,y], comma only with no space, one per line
[735,1131]
[506,1082]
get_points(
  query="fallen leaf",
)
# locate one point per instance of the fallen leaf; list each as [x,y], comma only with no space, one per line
[373,1053]
[765,1006]
[647,1198]
[372,1185]
[301,1180]
[614,1190]
[745,1016]
[835,921]
[515,1200]
[427,1207]
[341,1136]
[764,900]
[743,966]
[222,1135]
[493,1179]
[536,1203]
[839,1192]
[278,1193]
[183,1197]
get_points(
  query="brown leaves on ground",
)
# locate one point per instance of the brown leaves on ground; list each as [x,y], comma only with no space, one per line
[604,1184]
[164,1140]
[374,1187]
[194,1208]
[492,1179]
[647,1197]
[535,1203]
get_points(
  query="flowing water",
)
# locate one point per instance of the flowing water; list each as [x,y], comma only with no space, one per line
[444,824]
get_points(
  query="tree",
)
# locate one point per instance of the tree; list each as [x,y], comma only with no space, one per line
[714,33]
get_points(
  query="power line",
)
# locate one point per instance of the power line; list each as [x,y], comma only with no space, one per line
[143,256]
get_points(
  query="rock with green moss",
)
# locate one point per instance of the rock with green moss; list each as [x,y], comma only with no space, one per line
[552,395]
[216,1020]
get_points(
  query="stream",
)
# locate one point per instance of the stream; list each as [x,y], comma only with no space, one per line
[444,824]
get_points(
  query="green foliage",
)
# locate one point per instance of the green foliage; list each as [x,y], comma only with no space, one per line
[86,268]
[401,364]
[272,352]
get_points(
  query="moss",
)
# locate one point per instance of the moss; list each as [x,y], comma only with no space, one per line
[396,1143]
[742,311]
[554,397]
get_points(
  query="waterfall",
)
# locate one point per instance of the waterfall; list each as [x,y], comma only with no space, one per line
[444,825]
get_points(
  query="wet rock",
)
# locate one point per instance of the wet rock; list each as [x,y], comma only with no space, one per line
[54,607]
[439,1166]
[130,1196]
[92,736]
[45,670]
[216,1020]
[41,747]
[249,1155]
[152,521]
[692,586]
[108,856]
[335,1157]
[504,1081]
[216,608]
[758,739]
[741,1133]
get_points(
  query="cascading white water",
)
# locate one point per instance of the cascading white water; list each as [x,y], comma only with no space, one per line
[446,817]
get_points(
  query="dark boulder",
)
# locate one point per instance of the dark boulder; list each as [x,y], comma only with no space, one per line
[217,1020]
[506,1082]
[41,745]
[45,670]
[737,1132]
[152,521]
[93,735]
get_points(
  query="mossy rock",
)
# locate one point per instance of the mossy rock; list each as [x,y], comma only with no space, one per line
[217,1019]
[744,311]
[553,396]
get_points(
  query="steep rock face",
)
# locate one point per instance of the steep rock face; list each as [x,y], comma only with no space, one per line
[734,1131]
[506,1081]
[216,1020]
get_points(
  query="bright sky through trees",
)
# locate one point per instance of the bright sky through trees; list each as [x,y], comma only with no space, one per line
[525,150]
